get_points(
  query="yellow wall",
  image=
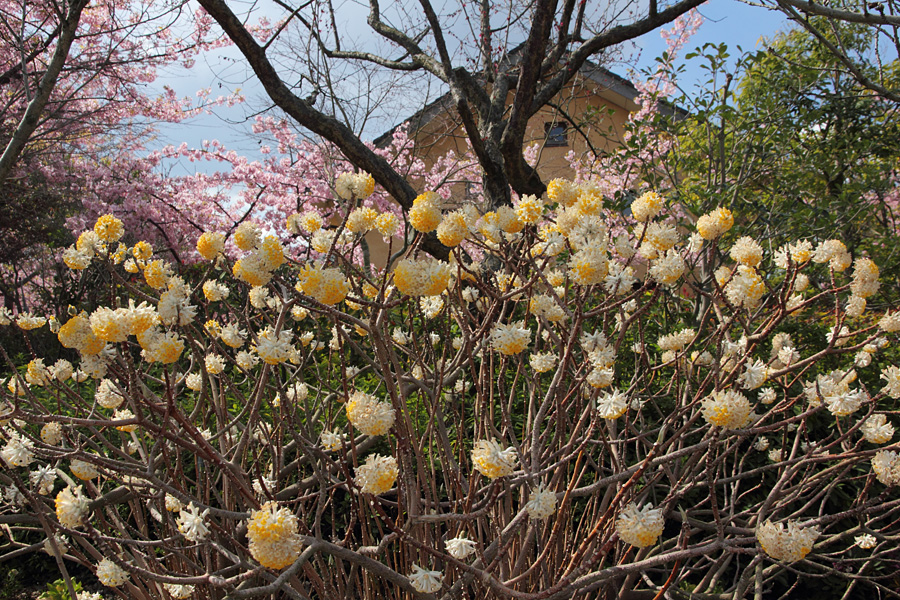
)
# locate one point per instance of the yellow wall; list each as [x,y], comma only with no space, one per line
[600,115]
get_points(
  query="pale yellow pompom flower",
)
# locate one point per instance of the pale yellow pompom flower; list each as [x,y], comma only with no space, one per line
[273,535]
[370,415]
[425,214]
[377,475]
[791,544]
[714,224]
[510,338]
[491,461]
[646,206]
[109,229]
[640,527]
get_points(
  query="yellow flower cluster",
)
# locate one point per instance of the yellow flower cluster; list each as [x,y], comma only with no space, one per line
[646,206]
[424,277]
[211,244]
[510,338]
[370,415]
[274,541]
[491,461]
[110,574]
[714,224]
[791,544]
[727,409]
[425,214]
[326,285]
[354,185]
[377,475]
[640,527]
[71,507]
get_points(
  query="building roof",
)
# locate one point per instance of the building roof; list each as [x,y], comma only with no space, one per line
[611,86]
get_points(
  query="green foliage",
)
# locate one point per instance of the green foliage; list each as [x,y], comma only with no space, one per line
[58,590]
[788,139]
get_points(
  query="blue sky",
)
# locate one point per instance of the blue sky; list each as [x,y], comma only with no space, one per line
[729,21]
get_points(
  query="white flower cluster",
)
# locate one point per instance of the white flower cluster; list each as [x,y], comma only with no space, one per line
[369,415]
[790,544]
[640,527]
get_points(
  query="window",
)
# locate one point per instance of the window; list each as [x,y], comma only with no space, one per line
[556,134]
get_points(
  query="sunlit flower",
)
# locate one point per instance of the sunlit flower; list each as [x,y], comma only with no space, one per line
[543,362]
[424,581]
[27,321]
[453,228]
[83,470]
[215,291]
[791,544]
[71,507]
[377,475]
[17,452]
[562,191]
[109,229]
[211,244]
[246,236]
[886,465]
[52,433]
[425,214]
[326,285]
[491,461]
[387,225]
[108,395]
[510,338]
[191,523]
[612,405]
[712,225]
[274,541]
[747,251]
[542,503]
[640,527]
[110,574]
[865,541]
[177,591]
[426,277]
[646,206]
[370,415]
[877,429]
[726,408]
[332,441]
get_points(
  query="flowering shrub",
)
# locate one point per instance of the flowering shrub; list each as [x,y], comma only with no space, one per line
[561,407]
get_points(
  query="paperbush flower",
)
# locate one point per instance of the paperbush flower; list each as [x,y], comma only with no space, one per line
[424,581]
[886,465]
[52,433]
[542,503]
[790,544]
[369,415]
[612,405]
[460,548]
[453,228]
[646,206]
[727,409]
[191,523]
[426,277]
[562,191]
[109,229]
[17,452]
[712,225]
[425,214]
[491,461]
[640,527]
[326,285]
[510,338]
[71,507]
[274,541]
[110,574]
[377,475]
[211,244]
[877,430]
